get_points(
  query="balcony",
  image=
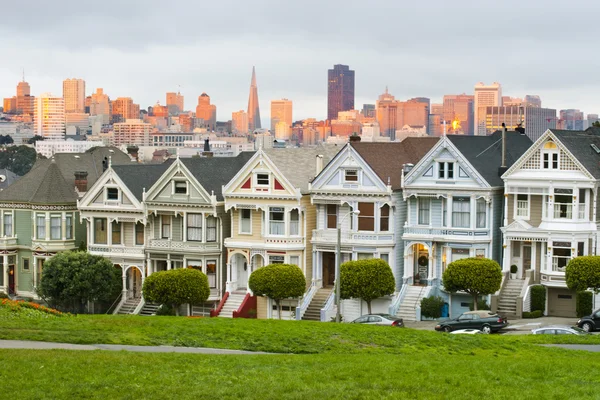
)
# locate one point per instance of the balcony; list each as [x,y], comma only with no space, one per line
[178,245]
[373,238]
[107,251]
[454,232]
[53,245]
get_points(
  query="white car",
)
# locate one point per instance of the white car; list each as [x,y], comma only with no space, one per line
[466,332]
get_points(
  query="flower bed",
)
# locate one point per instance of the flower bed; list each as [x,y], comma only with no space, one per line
[20,305]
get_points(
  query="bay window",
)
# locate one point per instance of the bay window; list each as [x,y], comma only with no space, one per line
[384,218]
[139,234]
[424,204]
[165,226]
[194,227]
[8,225]
[116,233]
[563,203]
[40,226]
[69,226]
[211,229]
[461,212]
[582,195]
[276,221]
[523,205]
[366,217]
[480,213]
[55,227]
[246,221]
[294,222]
[100,234]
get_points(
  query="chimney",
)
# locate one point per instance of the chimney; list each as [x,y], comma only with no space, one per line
[207,153]
[81,181]
[105,164]
[503,167]
[319,164]
[354,138]
[520,129]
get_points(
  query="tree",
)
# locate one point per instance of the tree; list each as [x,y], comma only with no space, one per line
[583,273]
[18,159]
[71,279]
[35,139]
[6,139]
[476,276]
[366,279]
[278,281]
[176,287]
[596,124]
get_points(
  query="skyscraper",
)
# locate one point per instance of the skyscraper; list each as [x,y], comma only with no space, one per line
[535,120]
[207,112]
[174,103]
[74,95]
[458,113]
[24,100]
[281,111]
[49,116]
[253,108]
[100,105]
[239,122]
[571,119]
[124,109]
[340,90]
[387,108]
[485,96]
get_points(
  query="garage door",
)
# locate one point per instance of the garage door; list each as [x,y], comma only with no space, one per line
[561,302]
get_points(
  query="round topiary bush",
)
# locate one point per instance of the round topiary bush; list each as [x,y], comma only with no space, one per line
[366,279]
[476,276]
[176,287]
[278,282]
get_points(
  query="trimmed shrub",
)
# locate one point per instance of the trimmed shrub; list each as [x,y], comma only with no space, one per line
[533,314]
[584,303]
[476,276]
[513,269]
[431,307]
[583,273]
[278,282]
[176,287]
[481,305]
[366,279]
[165,310]
[538,298]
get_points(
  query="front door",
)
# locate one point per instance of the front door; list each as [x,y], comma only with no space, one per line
[328,269]
[11,279]
[421,259]
[242,273]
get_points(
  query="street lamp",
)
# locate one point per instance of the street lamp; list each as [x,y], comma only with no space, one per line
[338,264]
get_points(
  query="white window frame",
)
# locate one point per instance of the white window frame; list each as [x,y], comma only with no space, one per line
[59,218]
[292,261]
[470,211]
[12,224]
[118,199]
[215,228]
[121,238]
[175,183]
[424,200]
[69,228]
[485,213]
[443,169]
[346,180]
[516,207]
[241,230]
[37,230]
[550,152]
[262,185]
[278,222]
[162,236]
[188,226]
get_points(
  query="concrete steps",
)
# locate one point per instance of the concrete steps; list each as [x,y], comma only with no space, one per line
[507,301]
[149,309]
[412,299]
[313,311]
[233,303]
[129,306]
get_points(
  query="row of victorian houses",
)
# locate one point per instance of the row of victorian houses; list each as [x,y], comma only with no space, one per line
[423,203]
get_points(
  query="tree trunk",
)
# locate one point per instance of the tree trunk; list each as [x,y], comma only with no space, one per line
[475,296]
[278,308]
[368,305]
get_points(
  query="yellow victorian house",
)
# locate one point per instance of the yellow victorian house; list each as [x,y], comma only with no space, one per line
[271,215]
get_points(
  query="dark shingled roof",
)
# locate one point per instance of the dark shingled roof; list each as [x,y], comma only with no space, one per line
[386,159]
[212,173]
[53,181]
[485,152]
[579,143]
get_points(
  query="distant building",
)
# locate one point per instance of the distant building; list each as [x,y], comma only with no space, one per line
[253,105]
[9,105]
[81,121]
[485,96]
[458,114]
[369,111]
[123,109]
[414,112]
[535,120]
[207,112]
[436,127]
[132,132]
[48,148]
[591,118]
[239,122]
[49,116]
[370,133]
[387,112]
[533,101]
[340,90]
[100,105]
[74,95]
[174,103]
[25,101]
[572,120]
[281,112]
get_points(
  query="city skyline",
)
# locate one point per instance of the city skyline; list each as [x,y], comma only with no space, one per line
[295,60]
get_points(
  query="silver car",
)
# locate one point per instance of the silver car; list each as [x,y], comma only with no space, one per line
[379,319]
[559,330]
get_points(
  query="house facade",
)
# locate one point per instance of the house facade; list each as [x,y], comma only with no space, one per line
[551,201]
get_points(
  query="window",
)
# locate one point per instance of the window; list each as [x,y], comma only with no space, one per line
[441,170]
[580,249]
[364,256]
[555,161]
[450,170]
[8,225]
[211,273]
[69,226]
[165,222]
[423,204]
[294,222]
[180,187]
[550,156]
[561,255]
[563,203]
[444,211]
[40,223]
[262,179]
[116,233]
[194,227]
[55,227]
[112,194]
[385,257]
[582,196]
[523,205]
[445,170]
[139,234]
[276,259]
[295,260]
[480,213]
[384,218]
[351,175]
[276,221]
[479,253]
[26,264]
[461,212]
[245,221]
[366,217]
[211,229]
[332,216]
[100,231]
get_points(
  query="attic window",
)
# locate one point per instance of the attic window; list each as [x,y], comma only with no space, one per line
[351,175]
[180,187]
[112,194]
[262,179]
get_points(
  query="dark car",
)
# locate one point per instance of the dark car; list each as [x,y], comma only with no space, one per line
[590,323]
[485,321]
[379,319]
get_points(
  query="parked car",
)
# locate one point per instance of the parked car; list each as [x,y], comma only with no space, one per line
[485,321]
[379,319]
[590,323]
[467,332]
[560,330]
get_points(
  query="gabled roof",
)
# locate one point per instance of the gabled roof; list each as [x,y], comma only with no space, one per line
[298,164]
[484,153]
[210,172]
[387,159]
[579,143]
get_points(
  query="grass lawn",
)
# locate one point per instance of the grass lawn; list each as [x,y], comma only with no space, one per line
[536,373]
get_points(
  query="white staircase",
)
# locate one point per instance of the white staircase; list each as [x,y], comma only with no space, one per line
[149,309]
[233,303]
[129,306]
[412,299]
[507,301]
[313,311]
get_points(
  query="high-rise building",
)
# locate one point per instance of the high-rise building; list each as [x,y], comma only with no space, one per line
[414,112]
[369,111]
[74,95]
[485,96]
[239,122]
[123,109]
[253,107]
[340,90]
[387,112]
[10,105]
[591,118]
[533,100]
[458,114]
[100,105]
[24,100]
[571,119]
[207,112]
[23,88]
[132,132]
[535,120]
[281,111]
[49,116]
[174,103]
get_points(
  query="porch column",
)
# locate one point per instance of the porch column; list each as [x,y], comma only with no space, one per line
[507,256]
[169,266]
[431,263]
[5,266]
[33,271]
[149,266]
[534,257]
[124,277]
[315,262]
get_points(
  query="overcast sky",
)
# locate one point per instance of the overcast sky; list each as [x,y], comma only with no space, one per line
[143,49]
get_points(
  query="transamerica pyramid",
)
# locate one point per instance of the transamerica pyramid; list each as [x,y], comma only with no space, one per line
[253,108]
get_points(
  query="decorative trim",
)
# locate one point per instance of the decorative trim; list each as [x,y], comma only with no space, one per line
[25,206]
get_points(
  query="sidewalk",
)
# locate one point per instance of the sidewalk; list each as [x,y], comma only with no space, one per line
[513,325]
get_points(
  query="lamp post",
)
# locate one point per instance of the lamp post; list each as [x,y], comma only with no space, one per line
[338,264]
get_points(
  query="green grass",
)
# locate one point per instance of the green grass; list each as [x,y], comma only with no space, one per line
[536,373]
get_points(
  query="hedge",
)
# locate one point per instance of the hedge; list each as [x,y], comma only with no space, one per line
[584,303]
[533,314]
[431,307]
[538,298]
[481,305]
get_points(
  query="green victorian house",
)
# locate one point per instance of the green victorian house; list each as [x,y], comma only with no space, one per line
[39,217]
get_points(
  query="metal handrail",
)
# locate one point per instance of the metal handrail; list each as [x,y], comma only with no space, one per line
[306,299]
[118,298]
[395,306]
[328,305]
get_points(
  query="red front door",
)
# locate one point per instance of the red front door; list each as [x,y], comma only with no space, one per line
[11,279]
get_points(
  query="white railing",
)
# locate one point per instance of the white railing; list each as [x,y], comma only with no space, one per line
[305,301]
[397,301]
[115,249]
[563,210]
[328,310]
[413,230]
[527,299]
[557,261]
[330,235]
[169,244]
